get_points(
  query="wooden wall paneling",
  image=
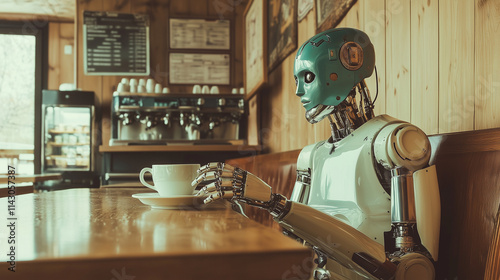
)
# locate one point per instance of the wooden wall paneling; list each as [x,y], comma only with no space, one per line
[53,56]
[374,26]
[271,112]
[354,18]
[198,8]
[179,8]
[61,65]
[398,46]
[253,120]
[305,133]
[487,64]
[67,61]
[456,60]
[424,65]
[237,48]
[285,101]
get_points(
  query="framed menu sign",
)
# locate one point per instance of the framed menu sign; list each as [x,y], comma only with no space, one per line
[115,44]
[199,68]
[199,34]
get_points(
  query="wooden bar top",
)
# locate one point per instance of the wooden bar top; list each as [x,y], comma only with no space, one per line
[30,178]
[107,234]
[179,148]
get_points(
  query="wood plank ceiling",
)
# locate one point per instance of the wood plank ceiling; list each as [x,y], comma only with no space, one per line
[61,9]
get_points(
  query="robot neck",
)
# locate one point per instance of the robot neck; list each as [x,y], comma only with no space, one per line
[348,116]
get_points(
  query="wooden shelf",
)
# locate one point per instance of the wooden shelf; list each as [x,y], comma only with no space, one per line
[67,144]
[177,95]
[67,132]
[179,148]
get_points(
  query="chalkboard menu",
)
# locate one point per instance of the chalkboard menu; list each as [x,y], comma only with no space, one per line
[115,43]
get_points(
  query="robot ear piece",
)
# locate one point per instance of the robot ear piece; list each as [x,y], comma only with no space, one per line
[351,56]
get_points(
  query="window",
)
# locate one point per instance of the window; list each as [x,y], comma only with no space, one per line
[20,88]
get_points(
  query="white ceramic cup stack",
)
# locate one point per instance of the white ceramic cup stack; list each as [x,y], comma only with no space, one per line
[196,89]
[150,86]
[133,85]
[214,90]
[158,88]
[171,179]
[205,90]
[123,86]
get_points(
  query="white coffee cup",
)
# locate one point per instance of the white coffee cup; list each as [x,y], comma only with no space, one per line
[171,179]
[214,90]
[158,88]
[150,86]
[120,88]
[142,82]
[196,89]
[205,89]
[133,82]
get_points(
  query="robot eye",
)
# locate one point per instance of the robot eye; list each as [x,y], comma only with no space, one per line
[296,80]
[309,77]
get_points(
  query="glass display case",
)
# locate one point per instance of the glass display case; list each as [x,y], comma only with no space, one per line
[67,135]
[67,141]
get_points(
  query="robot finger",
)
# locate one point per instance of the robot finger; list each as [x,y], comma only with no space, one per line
[210,188]
[212,198]
[226,174]
[212,166]
[225,185]
[210,175]
[216,196]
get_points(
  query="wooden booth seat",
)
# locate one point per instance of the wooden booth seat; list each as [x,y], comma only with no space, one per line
[468,167]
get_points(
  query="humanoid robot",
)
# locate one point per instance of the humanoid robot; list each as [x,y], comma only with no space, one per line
[366,200]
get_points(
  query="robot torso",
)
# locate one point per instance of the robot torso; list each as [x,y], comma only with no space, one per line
[344,182]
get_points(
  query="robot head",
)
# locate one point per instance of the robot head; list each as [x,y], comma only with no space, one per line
[328,66]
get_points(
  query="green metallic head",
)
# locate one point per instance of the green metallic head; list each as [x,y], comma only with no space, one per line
[329,65]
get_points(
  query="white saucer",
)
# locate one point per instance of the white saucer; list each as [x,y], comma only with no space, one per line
[173,202]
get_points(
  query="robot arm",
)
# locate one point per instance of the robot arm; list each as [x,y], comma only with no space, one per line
[405,150]
[332,237]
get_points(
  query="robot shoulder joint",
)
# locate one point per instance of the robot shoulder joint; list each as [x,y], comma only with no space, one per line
[402,145]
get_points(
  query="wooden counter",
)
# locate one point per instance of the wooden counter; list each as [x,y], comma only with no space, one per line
[30,178]
[179,148]
[107,234]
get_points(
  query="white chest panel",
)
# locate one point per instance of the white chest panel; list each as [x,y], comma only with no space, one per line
[344,183]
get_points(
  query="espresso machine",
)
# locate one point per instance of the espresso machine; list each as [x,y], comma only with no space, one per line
[163,119]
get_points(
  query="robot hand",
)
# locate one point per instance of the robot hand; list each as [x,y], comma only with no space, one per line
[234,184]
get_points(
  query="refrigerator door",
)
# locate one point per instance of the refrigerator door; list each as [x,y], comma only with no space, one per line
[67,139]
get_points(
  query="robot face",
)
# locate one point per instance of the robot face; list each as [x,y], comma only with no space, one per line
[307,84]
[329,65]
